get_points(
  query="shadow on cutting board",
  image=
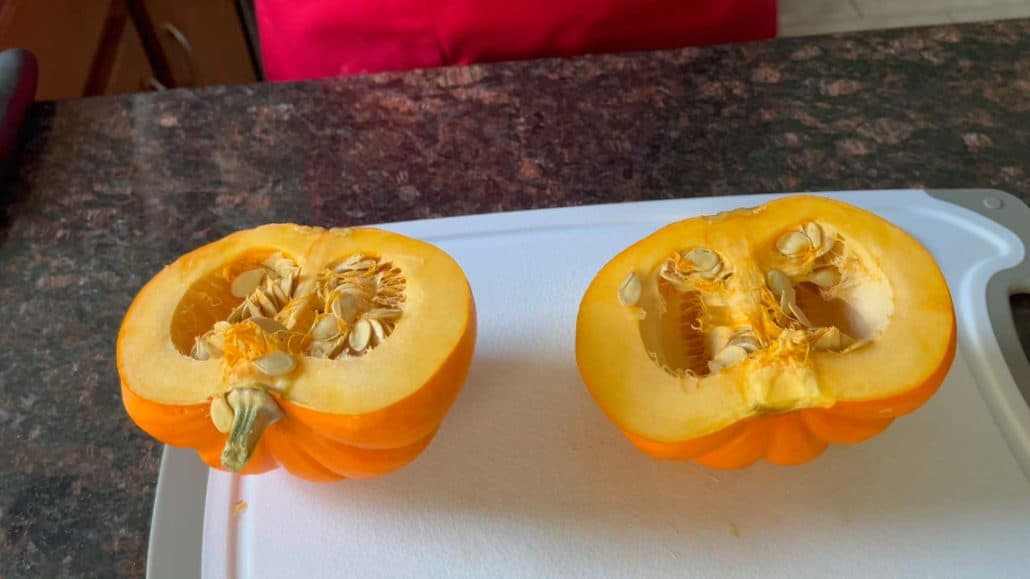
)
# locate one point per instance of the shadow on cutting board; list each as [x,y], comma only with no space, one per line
[526,446]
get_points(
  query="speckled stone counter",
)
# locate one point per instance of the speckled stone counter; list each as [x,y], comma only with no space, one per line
[108,190]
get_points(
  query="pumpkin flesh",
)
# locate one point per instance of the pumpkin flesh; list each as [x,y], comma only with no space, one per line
[766,332]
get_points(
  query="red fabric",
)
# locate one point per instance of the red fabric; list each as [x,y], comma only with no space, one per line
[317,38]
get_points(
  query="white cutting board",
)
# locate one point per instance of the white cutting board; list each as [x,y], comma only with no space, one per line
[527,478]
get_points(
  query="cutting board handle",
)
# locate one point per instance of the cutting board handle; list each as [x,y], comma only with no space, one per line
[1012,213]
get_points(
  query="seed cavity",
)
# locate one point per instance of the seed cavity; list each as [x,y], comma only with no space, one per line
[345,310]
[817,296]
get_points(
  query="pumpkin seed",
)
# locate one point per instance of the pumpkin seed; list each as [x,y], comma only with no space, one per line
[267,306]
[793,243]
[346,307]
[360,336]
[831,339]
[788,303]
[777,281]
[856,345]
[829,240]
[384,313]
[670,273]
[729,356]
[275,364]
[328,348]
[199,350]
[272,260]
[824,277]
[326,328]
[719,337]
[351,289]
[292,313]
[214,341]
[279,385]
[782,288]
[221,414]
[318,350]
[286,268]
[378,331]
[713,273]
[286,285]
[355,263]
[630,290]
[252,308]
[704,259]
[792,307]
[268,324]
[245,283]
[746,340]
[348,264]
[814,233]
[275,290]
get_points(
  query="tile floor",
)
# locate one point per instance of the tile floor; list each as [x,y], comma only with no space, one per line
[804,17]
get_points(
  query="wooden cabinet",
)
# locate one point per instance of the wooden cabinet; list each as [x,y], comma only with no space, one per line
[200,47]
[130,67]
[91,47]
[63,34]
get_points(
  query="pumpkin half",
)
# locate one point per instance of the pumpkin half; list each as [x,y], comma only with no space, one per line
[332,353]
[765,333]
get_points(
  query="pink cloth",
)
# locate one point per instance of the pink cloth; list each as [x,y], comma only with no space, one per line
[318,38]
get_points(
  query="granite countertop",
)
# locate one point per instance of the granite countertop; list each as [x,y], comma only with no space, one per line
[108,190]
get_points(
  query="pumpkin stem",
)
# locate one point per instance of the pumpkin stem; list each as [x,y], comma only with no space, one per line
[254,410]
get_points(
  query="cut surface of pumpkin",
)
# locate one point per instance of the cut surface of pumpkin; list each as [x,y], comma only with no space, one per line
[332,353]
[765,333]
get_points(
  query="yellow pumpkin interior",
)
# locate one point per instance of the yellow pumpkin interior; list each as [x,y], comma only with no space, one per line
[801,303]
[181,344]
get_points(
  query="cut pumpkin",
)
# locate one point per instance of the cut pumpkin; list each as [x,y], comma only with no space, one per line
[765,333]
[331,353]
